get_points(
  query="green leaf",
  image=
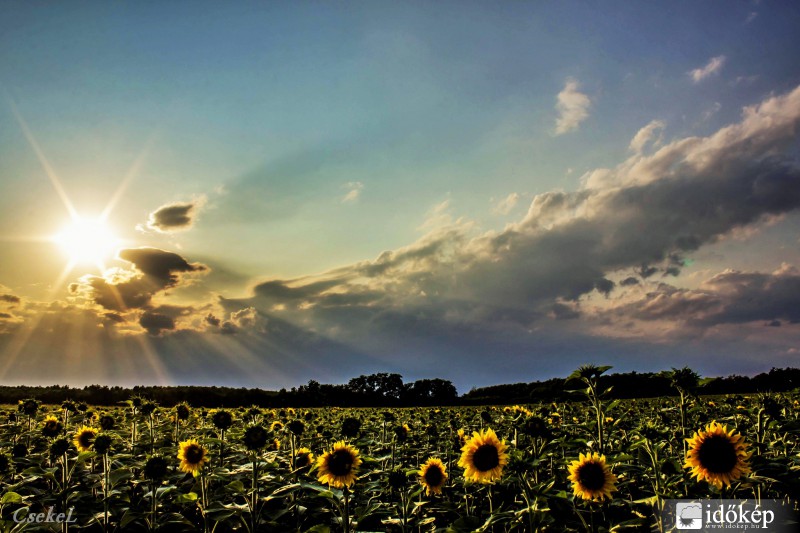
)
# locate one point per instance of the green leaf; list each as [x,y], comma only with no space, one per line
[11,497]
[189,497]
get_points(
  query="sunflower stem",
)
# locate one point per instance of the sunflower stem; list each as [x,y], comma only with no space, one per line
[105,491]
[254,494]
[346,510]
[153,507]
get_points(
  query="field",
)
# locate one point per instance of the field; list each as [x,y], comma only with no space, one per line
[250,469]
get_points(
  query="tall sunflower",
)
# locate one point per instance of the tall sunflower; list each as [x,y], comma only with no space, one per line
[591,478]
[717,455]
[432,476]
[483,457]
[339,466]
[84,438]
[192,456]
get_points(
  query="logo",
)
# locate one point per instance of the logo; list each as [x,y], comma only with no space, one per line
[730,515]
[688,515]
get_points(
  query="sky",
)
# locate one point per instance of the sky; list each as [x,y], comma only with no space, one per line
[260,194]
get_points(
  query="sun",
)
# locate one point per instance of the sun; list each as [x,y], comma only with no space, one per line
[87,241]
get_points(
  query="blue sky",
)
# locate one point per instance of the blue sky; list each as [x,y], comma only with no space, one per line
[308,144]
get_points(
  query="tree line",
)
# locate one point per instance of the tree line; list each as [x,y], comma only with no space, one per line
[389,390]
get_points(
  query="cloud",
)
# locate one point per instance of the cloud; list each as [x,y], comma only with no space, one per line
[572,106]
[714,66]
[178,216]
[645,135]
[638,219]
[354,191]
[729,297]
[582,271]
[154,270]
[155,323]
[10,299]
[505,205]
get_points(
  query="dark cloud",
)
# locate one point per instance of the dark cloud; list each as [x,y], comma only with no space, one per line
[6,315]
[114,317]
[155,323]
[177,216]
[10,298]
[629,281]
[212,320]
[731,297]
[153,271]
[158,265]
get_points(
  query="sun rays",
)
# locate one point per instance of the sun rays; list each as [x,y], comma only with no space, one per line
[87,242]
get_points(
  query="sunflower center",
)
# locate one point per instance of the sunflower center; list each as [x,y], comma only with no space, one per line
[86,439]
[433,476]
[340,463]
[717,454]
[486,458]
[193,454]
[301,460]
[592,476]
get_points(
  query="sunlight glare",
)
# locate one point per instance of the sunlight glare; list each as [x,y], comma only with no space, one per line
[88,241]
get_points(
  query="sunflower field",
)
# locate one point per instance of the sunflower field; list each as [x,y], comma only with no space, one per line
[590,464]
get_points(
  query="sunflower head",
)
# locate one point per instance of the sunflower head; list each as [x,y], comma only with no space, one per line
[277,425]
[107,422]
[339,466]
[182,411]
[255,437]
[401,432]
[432,476]
[102,443]
[297,427]
[351,427]
[51,426]
[591,478]
[84,438]
[303,458]
[147,408]
[59,447]
[222,419]
[155,468]
[192,456]
[717,455]
[483,457]
[28,407]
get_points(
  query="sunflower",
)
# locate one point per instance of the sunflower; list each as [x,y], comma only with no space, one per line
[483,457]
[51,426]
[338,467]
[717,455]
[84,438]
[192,456]
[591,478]
[303,458]
[432,476]
[276,426]
[255,438]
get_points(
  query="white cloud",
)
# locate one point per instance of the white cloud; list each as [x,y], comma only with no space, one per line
[713,66]
[572,106]
[504,206]
[354,191]
[645,135]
